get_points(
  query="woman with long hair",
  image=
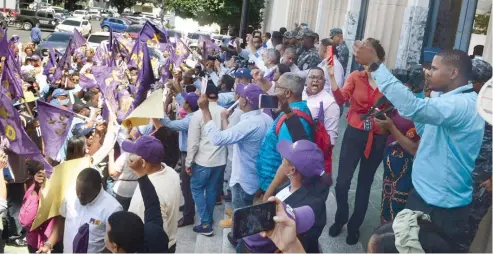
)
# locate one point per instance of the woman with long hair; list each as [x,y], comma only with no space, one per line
[363,143]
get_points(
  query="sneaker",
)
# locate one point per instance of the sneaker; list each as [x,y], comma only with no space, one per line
[183,222]
[204,229]
[229,212]
[226,223]
[335,230]
[352,237]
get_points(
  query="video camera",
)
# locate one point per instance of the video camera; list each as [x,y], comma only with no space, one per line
[413,76]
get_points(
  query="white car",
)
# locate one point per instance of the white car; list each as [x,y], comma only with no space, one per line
[68,25]
[94,14]
[82,14]
[95,39]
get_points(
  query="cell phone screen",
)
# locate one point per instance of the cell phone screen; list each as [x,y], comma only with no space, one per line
[253,219]
[268,101]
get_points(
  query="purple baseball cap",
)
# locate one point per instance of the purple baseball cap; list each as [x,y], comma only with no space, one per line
[251,93]
[305,156]
[304,218]
[147,147]
[191,98]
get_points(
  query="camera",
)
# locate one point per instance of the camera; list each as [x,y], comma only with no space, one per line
[413,76]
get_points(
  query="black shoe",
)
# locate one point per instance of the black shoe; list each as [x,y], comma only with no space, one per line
[182,208]
[352,237]
[231,240]
[185,222]
[335,230]
[227,197]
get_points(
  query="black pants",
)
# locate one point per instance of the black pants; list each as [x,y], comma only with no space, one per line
[172,249]
[450,221]
[15,195]
[352,152]
[125,202]
[189,207]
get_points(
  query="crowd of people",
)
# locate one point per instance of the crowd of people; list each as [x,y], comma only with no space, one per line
[113,148]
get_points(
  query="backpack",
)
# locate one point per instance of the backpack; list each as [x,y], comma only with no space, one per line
[320,135]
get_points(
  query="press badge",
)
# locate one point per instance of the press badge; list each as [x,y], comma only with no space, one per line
[367,125]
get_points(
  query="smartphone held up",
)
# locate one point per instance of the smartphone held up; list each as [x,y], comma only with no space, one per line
[253,219]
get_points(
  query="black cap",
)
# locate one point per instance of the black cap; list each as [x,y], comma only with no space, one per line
[78,106]
[211,91]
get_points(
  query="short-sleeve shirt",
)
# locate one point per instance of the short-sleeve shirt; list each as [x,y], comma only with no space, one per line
[96,214]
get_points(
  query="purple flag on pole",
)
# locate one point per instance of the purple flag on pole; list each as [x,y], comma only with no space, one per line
[146,78]
[11,80]
[152,35]
[65,59]
[136,56]
[54,123]
[77,39]
[87,81]
[207,45]
[108,78]
[181,52]
[11,127]
[51,62]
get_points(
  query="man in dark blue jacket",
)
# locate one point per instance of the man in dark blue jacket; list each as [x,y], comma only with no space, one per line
[125,231]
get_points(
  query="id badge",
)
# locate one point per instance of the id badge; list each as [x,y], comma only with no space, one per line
[367,125]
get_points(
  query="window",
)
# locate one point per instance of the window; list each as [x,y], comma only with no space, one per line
[49,15]
[119,21]
[85,23]
[69,22]
[58,37]
[41,14]
[97,38]
[134,29]
[112,20]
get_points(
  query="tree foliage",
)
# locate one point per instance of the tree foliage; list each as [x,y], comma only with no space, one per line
[122,4]
[481,23]
[222,12]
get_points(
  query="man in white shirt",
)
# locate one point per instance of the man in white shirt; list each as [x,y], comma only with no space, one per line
[314,95]
[271,58]
[338,68]
[206,163]
[83,216]
[147,153]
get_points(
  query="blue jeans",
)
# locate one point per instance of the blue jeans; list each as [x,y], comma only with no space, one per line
[203,183]
[240,197]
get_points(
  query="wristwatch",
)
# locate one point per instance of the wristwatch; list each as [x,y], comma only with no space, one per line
[374,66]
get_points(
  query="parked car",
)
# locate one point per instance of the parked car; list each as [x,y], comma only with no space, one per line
[68,25]
[217,39]
[62,13]
[29,18]
[193,39]
[95,14]
[95,39]
[133,31]
[56,40]
[117,24]
[82,13]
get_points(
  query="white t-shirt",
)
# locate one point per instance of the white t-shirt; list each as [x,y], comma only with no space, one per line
[167,185]
[284,193]
[95,213]
[126,183]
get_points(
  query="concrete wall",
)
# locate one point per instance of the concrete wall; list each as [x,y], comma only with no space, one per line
[331,14]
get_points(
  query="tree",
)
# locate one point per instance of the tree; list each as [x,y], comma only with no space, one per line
[222,12]
[481,23]
[122,4]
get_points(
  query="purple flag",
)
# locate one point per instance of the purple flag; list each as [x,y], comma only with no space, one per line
[11,80]
[181,52]
[207,45]
[125,43]
[87,81]
[135,59]
[54,123]
[108,78]
[270,75]
[64,60]
[51,62]
[152,35]
[77,39]
[11,127]
[146,78]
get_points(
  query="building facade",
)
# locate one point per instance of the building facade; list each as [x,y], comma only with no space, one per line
[406,28]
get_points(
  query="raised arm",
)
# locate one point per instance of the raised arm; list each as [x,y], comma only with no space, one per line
[344,94]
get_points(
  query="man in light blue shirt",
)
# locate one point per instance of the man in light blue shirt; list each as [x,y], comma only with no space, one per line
[451,133]
[36,34]
[246,136]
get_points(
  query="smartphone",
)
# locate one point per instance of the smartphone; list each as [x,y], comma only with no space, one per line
[253,219]
[268,101]
[7,175]
[329,55]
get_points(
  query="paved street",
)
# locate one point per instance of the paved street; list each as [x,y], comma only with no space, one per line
[25,35]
